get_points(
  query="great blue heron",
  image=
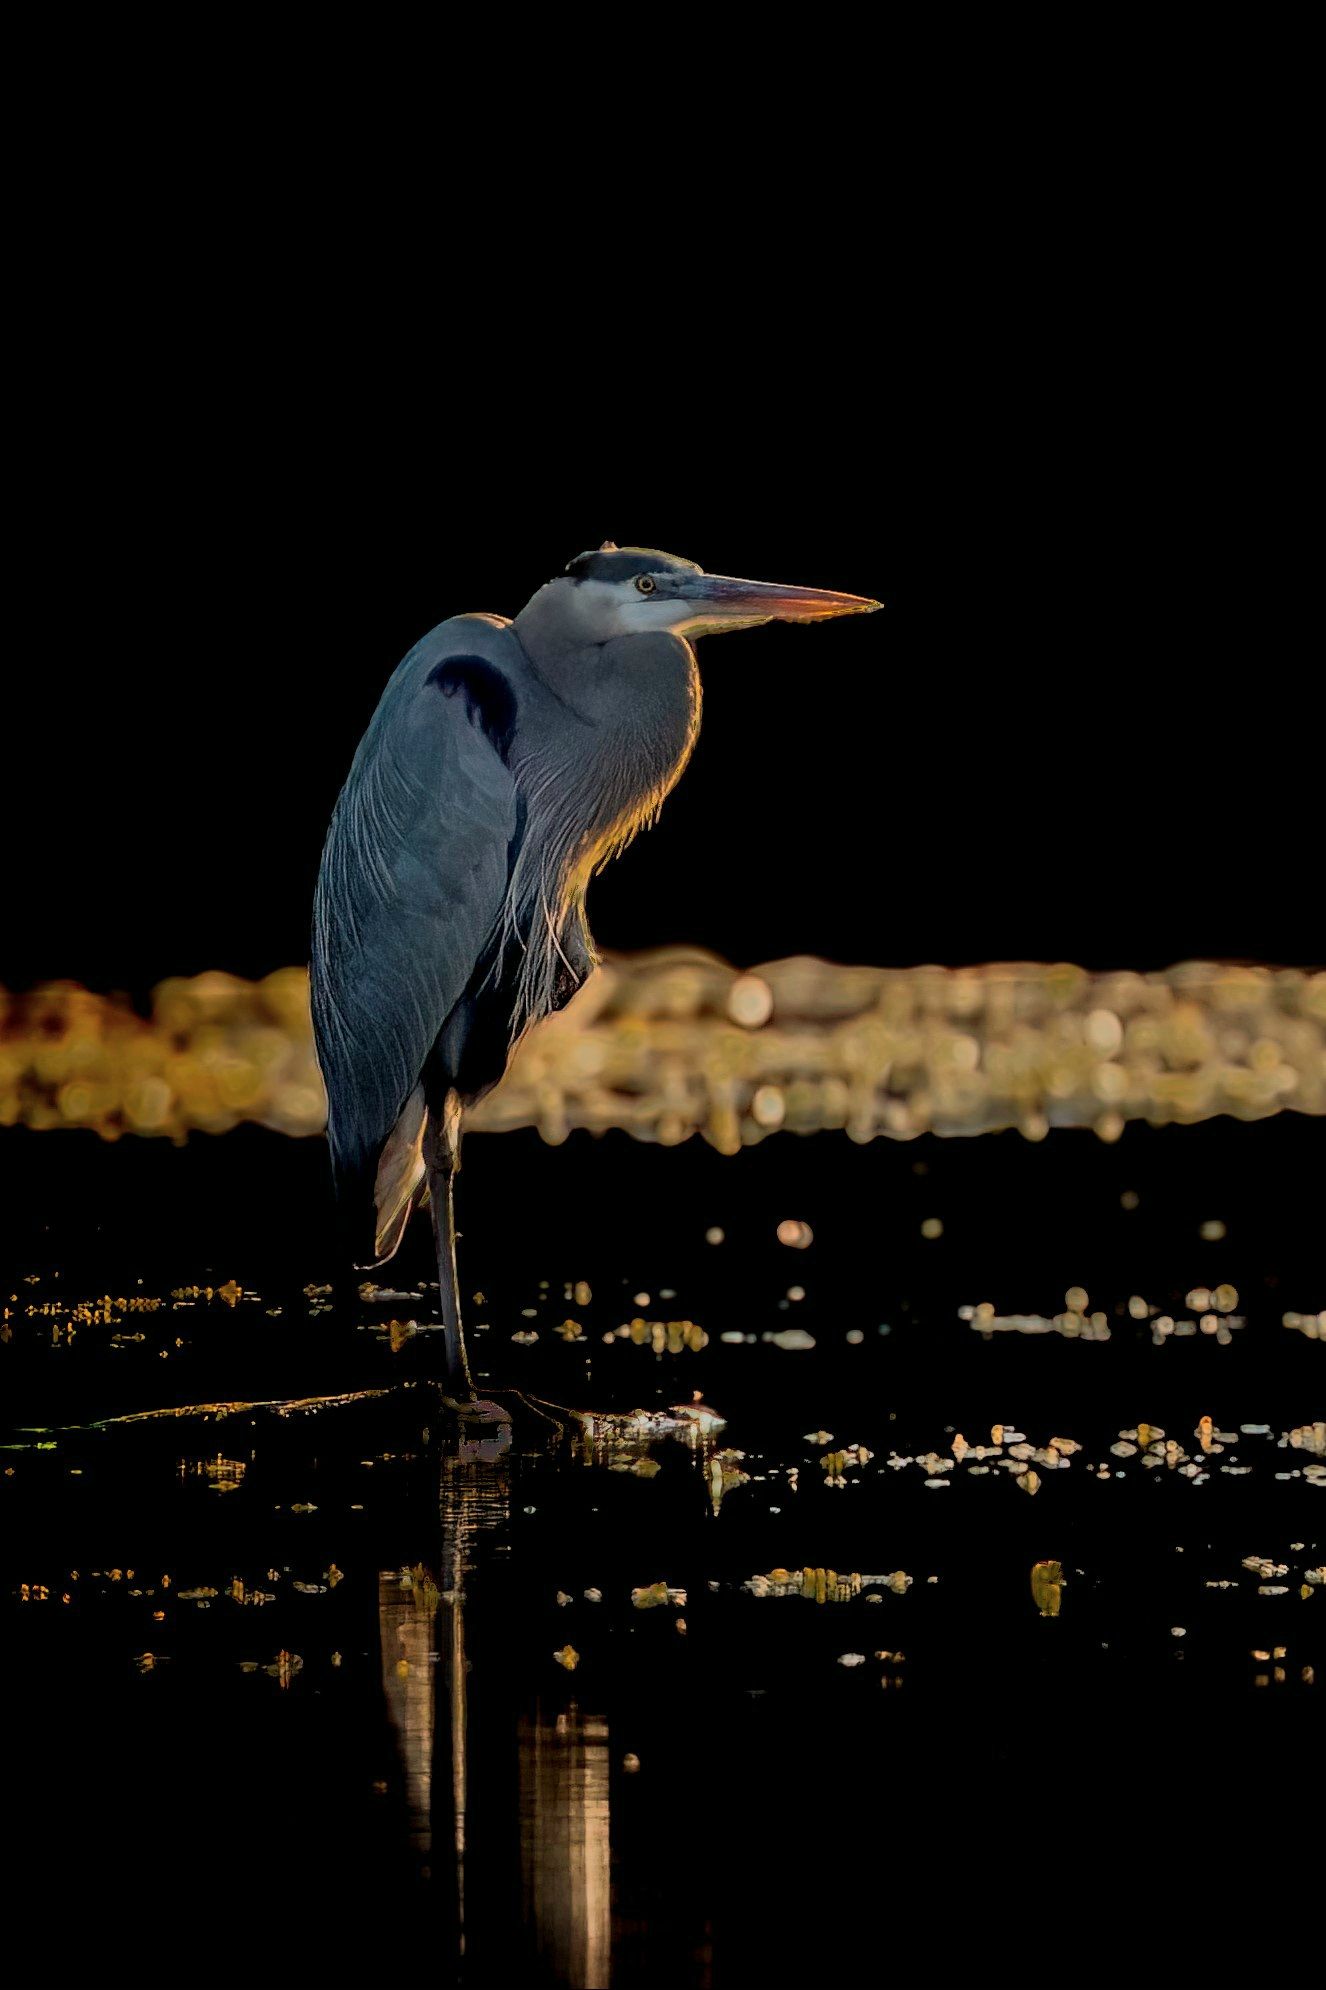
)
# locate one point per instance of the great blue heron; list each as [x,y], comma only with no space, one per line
[506,762]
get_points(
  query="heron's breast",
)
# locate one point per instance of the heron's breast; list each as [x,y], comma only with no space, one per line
[641,765]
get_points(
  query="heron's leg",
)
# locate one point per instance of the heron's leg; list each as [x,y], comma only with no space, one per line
[442,1159]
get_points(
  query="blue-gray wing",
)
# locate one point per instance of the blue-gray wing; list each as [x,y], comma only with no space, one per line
[410,890]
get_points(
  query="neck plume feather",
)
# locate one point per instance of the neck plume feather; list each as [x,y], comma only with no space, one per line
[581,811]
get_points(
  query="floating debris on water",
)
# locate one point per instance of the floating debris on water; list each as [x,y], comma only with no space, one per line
[284,1668]
[725,1476]
[837,1464]
[1047,1584]
[655,1594]
[222,1474]
[692,1421]
[697,1417]
[1071,1325]
[825,1585]
[643,1468]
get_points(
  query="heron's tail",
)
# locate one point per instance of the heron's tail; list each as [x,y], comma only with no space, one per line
[399,1180]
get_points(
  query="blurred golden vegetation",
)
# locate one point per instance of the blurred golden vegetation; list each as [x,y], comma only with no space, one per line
[675,1042]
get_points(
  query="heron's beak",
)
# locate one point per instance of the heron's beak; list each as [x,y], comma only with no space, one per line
[719,602]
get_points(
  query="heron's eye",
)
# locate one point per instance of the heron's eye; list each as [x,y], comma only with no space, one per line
[645,583]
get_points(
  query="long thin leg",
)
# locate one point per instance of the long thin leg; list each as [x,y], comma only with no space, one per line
[442,1161]
[442,1158]
[441,1195]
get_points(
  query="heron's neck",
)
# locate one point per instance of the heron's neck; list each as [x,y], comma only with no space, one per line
[637,700]
[594,755]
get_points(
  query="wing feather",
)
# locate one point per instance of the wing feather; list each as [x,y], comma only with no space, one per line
[411,888]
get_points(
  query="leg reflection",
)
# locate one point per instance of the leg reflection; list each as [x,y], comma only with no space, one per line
[564,1844]
[408,1604]
[422,1616]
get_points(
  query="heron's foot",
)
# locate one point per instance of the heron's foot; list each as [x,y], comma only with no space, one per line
[476,1409]
[556,1414]
[531,1415]
[484,1431]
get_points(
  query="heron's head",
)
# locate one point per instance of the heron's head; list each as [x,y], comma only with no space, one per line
[632,590]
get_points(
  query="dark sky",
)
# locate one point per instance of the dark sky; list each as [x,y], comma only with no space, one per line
[1039,367]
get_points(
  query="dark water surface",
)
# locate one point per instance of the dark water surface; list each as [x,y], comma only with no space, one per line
[325,1695]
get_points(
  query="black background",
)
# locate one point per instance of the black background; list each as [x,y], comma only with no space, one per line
[1015,328]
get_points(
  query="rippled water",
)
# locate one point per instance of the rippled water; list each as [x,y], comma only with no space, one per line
[950,1645]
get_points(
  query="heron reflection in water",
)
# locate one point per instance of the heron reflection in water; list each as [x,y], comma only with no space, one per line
[507,761]
[561,1900]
